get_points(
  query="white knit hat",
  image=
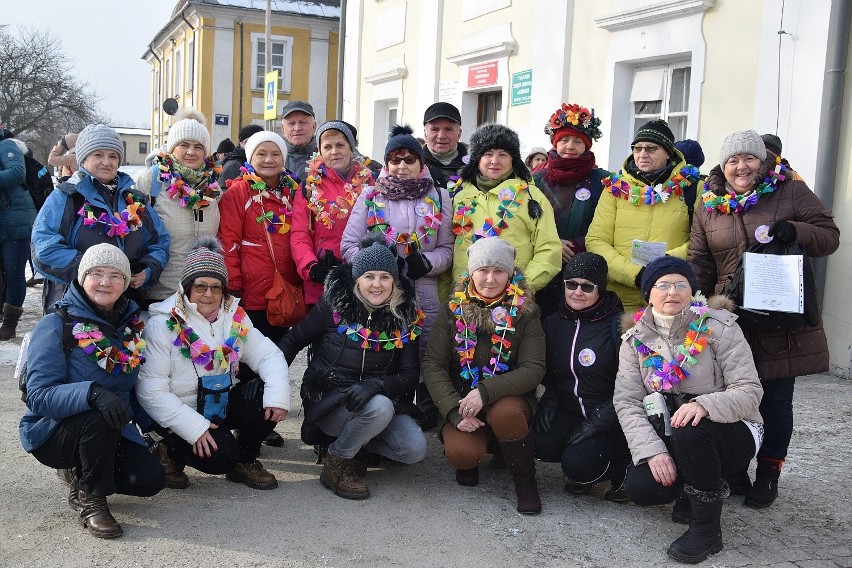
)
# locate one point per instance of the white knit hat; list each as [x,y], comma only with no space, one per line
[491,251]
[742,142]
[189,125]
[259,138]
[106,255]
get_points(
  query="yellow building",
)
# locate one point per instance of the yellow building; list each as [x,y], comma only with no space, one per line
[210,55]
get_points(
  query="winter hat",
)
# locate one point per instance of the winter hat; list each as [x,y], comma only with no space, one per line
[535,150]
[491,251]
[401,138]
[98,137]
[692,152]
[206,259]
[666,265]
[341,127]
[658,132]
[589,266]
[772,143]
[189,125]
[297,106]
[441,110]
[107,256]
[742,142]
[374,255]
[573,120]
[225,146]
[6,133]
[492,136]
[249,129]
[259,138]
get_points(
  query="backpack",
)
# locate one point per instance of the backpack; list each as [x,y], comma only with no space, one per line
[68,343]
[38,181]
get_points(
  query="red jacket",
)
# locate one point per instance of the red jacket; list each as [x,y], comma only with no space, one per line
[311,238]
[246,247]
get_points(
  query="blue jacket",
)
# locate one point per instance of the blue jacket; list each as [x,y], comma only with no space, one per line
[17,211]
[59,237]
[58,387]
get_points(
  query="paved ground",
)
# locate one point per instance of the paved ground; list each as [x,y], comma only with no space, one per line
[418,515]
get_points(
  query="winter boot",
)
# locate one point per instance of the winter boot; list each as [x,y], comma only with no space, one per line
[95,516]
[739,482]
[11,315]
[274,439]
[682,510]
[764,490]
[339,477]
[520,457]
[468,477]
[69,478]
[253,474]
[704,535]
[175,477]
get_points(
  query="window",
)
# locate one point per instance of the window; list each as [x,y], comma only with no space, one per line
[190,65]
[167,80]
[157,89]
[489,107]
[143,148]
[178,74]
[282,60]
[662,92]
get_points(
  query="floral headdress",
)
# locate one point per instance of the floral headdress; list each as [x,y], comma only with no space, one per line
[577,118]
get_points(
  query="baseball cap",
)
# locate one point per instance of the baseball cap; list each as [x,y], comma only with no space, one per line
[298,106]
[442,110]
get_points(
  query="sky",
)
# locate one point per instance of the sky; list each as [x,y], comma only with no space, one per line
[105,40]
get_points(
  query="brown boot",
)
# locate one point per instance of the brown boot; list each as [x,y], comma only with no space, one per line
[338,475]
[96,517]
[252,474]
[69,478]
[520,457]
[11,315]
[359,463]
[175,477]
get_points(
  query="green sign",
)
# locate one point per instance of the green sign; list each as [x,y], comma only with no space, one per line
[522,87]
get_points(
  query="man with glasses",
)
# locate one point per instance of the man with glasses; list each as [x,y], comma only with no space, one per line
[645,210]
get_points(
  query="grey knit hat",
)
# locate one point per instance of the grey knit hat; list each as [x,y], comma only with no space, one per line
[742,142]
[589,266]
[374,255]
[98,137]
[259,138]
[658,132]
[492,136]
[190,126]
[402,138]
[206,259]
[107,256]
[341,127]
[666,265]
[491,251]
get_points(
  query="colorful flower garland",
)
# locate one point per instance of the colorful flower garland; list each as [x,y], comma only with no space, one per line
[454,185]
[649,195]
[287,187]
[510,200]
[732,203]
[118,224]
[466,334]
[328,212]
[99,348]
[666,374]
[193,348]
[376,221]
[378,340]
[190,197]
[577,117]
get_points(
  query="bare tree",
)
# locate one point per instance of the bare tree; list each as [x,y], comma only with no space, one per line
[40,97]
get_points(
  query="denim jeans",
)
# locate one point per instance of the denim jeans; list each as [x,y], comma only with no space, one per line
[375,428]
[15,255]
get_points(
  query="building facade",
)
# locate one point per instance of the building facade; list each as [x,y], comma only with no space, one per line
[137,144]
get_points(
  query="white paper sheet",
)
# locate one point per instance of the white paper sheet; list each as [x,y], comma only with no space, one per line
[774,283]
[644,252]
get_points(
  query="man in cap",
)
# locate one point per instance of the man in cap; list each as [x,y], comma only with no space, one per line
[232,162]
[444,153]
[298,126]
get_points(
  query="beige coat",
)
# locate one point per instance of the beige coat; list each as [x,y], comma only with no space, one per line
[724,379]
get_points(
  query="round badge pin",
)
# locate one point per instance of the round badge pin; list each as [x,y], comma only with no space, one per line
[762,234]
[506,194]
[583,194]
[499,315]
[587,357]
[422,209]
[466,159]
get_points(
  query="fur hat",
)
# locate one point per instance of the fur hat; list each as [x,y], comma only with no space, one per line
[206,259]
[573,120]
[658,132]
[492,136]
[589,266]
[401,138]
[341,127]
[107,256]
[742,142]
[259,138]
[692,152]
[374,255]
[491,251]
[666,265]
[189,125]
[772,143]
[98,137]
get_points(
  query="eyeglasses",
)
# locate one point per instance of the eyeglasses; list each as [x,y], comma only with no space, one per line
[410,160]
[101,276]
[586,287]
[647,149]
[215,289]
[666,286]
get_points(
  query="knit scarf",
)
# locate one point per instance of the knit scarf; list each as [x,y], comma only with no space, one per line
[567,171]
[396,189]
[485,184]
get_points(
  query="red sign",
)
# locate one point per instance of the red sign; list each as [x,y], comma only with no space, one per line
[482,74]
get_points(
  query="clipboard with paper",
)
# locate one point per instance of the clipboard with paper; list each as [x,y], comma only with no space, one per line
[774,282]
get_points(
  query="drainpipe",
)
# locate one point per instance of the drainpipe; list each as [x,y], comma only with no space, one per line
[159,103]
[242,56]
[341,44]
[828,142]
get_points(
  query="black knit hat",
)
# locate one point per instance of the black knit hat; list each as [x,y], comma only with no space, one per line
[402,138]
[589,266]
[492,136]
[225,146]
[692,152]
[666,265]
[772,143]
[658,132]
[374,255]
[249,129]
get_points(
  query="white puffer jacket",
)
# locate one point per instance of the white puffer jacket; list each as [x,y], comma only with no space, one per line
[168,384]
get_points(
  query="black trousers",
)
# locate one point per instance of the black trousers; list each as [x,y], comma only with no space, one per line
[106,462]
[703,454]
[260,323]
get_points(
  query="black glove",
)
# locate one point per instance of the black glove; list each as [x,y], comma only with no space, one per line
[360,393]
[784,231]
[317,273]
[545,414]
[253,388]
[584,431]
[638,281]
[418,265]
[111,406]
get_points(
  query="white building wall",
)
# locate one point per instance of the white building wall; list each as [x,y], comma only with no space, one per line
[223,91]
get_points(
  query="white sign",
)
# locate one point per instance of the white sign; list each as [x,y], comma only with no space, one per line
[774,283]
[644,253]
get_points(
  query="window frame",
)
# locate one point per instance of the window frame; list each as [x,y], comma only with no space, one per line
[665,112]
[286,70]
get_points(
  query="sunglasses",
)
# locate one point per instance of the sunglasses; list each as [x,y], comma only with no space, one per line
[647,149]
[586,287]
[410,160]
